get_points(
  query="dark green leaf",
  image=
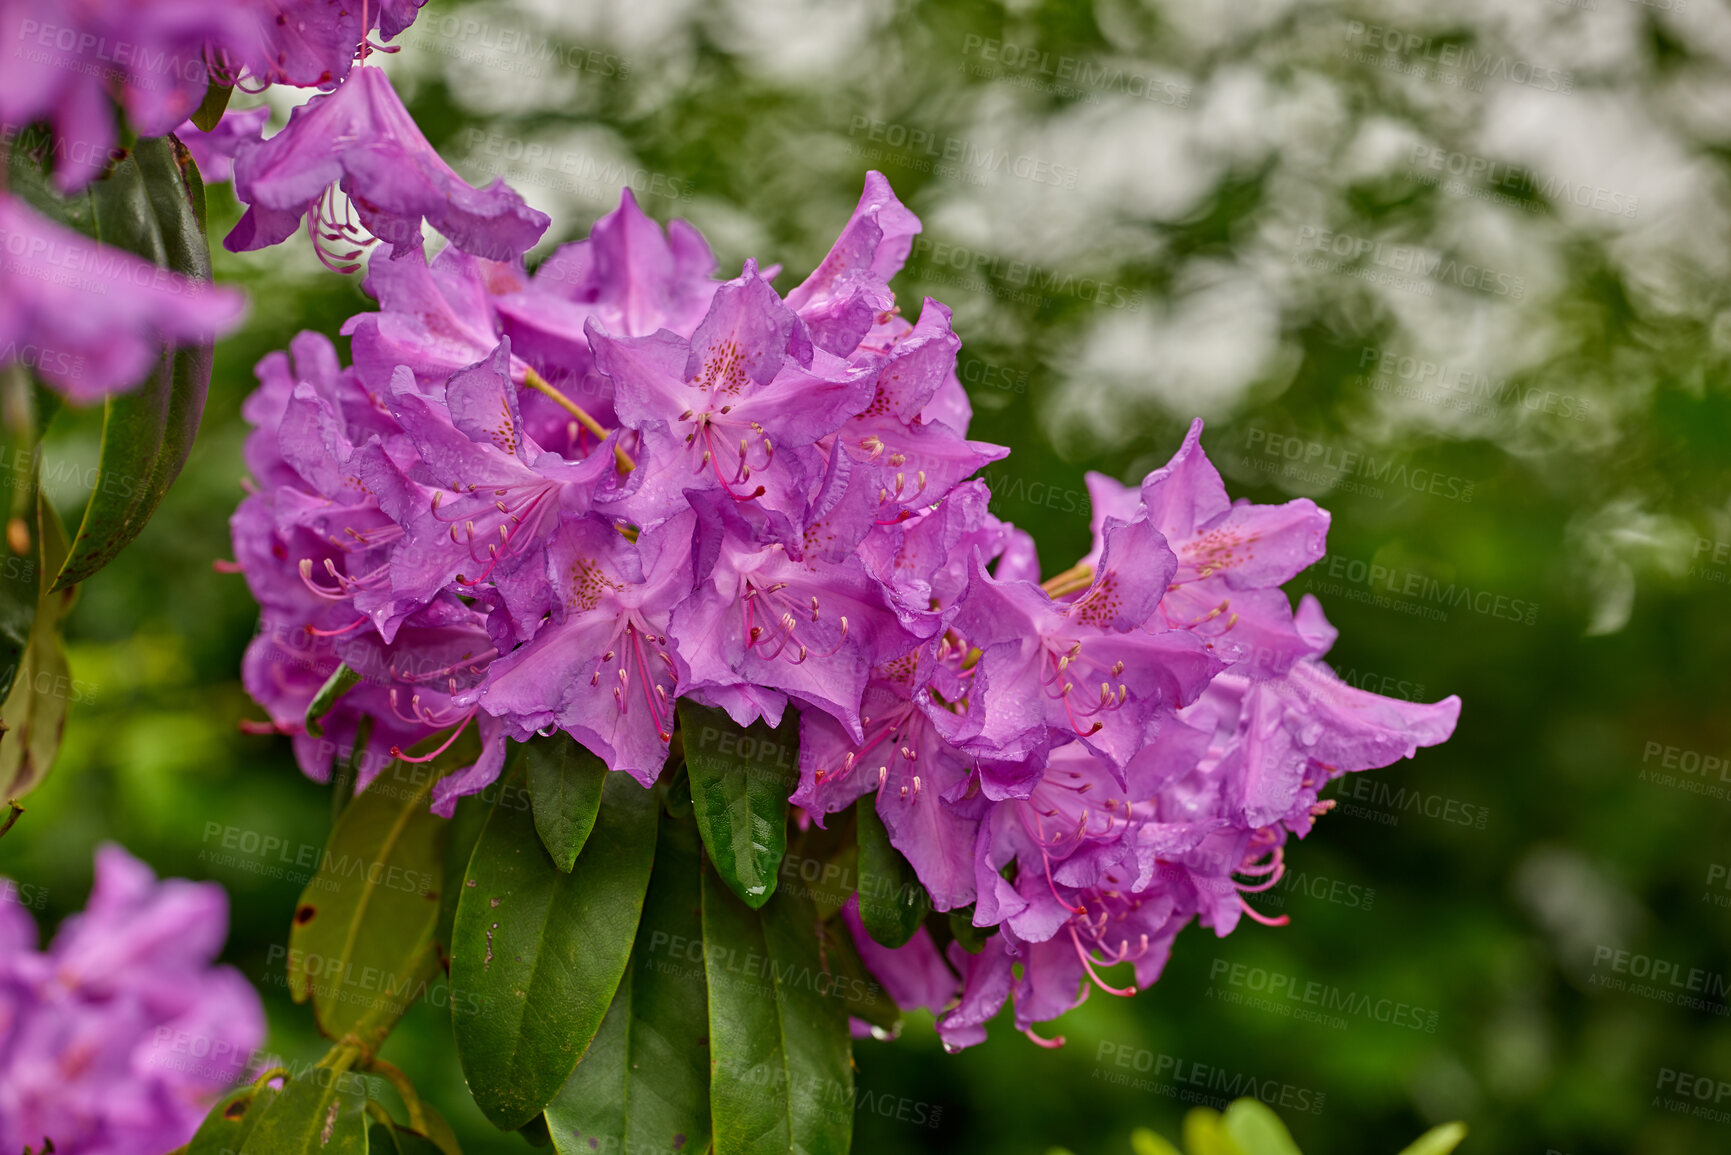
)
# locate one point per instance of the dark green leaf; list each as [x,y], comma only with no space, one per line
[150,204]
[565,782]
[209,112]
[362,943]
[20,577]
[866,999]
[643,1085]
[962,929]
[467,822]
[823,862]
[892,903]
[740,781]
[535,1133]
[322,1112]
[225,1129]
[781,1069]
[544,950]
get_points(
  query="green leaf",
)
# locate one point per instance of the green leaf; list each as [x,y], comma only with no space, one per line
[972,938]
[362,942]
[781,1074]
[892,903]
[1438,1140]
[150,204]
[323,1111]
[740,781]
[338,684]
[20,581]
[225,1129]
[823,862]
[545,950]
[467,821]
[1256,1129]
[209,112]
[866,999]
[34,709]
[643,1085]
[1205,1134]
[1145,1142]
[384,1139]
[565,782]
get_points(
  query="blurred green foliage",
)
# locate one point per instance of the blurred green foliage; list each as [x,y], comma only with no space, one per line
[1457,923]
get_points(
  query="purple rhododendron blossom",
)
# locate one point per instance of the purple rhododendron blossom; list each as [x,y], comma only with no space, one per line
[361,138]
[561,501]
[95,317]
[214,151]
[99,1033]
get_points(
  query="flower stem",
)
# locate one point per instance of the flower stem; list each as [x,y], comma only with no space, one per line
[540,384]
[11,818]
[417,1116]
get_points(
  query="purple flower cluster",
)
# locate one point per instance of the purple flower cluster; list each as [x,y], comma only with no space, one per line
[118,1038]
[561,502]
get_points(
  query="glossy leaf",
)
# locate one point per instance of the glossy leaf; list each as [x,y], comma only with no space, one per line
[544,950]
[892,903]
[362,942]
[740,782]
[565,782]
[151,204]
[643,1085]
[323,1112]
[781,1069]
[225,1129]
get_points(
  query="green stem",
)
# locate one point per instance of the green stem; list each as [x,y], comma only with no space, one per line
[10,818]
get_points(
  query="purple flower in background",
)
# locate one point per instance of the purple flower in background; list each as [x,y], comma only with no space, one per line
[361,138]
[90,319]
[118,1038]
[214,151]
[65,61]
